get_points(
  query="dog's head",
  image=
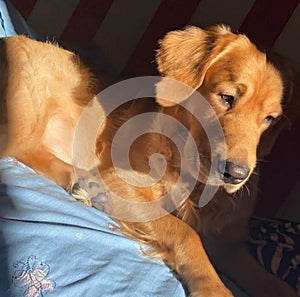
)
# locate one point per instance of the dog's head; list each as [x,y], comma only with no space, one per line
[242,87]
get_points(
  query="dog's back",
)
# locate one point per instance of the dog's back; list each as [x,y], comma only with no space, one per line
[43,90]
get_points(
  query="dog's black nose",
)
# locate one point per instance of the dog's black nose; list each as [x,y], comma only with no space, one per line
[234,173]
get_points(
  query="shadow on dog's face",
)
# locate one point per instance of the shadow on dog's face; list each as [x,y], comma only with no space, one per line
[241,86]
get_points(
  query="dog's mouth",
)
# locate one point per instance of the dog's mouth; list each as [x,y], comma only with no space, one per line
[231,189]
[229,186]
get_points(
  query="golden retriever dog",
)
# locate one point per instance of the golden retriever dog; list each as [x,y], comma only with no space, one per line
[45,89]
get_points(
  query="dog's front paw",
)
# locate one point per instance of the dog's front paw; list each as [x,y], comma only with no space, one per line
[99,201]
[88,190]
[80,194]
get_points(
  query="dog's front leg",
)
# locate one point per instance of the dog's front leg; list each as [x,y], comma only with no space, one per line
[168,238]
[181,248]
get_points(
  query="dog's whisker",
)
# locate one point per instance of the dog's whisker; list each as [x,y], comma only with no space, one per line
[247,189]
[287,119]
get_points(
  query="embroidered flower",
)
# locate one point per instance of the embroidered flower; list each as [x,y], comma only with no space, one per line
[31,275]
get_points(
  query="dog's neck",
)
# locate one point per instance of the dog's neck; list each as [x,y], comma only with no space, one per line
[156,146]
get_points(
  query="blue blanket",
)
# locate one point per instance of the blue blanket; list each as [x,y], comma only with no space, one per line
[52,245]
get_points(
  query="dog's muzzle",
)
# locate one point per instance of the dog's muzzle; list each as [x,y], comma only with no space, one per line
[232,173]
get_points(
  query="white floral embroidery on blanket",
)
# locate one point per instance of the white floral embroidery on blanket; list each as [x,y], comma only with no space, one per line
[31,275]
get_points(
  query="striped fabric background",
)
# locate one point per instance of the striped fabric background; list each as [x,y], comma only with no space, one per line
[126,32]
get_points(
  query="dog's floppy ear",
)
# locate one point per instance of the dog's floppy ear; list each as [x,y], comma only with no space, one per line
[185,55]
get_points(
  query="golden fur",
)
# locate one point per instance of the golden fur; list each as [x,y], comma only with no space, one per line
[46,88]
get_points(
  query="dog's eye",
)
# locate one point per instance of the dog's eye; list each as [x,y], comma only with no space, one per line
[227,100]
[269,119]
